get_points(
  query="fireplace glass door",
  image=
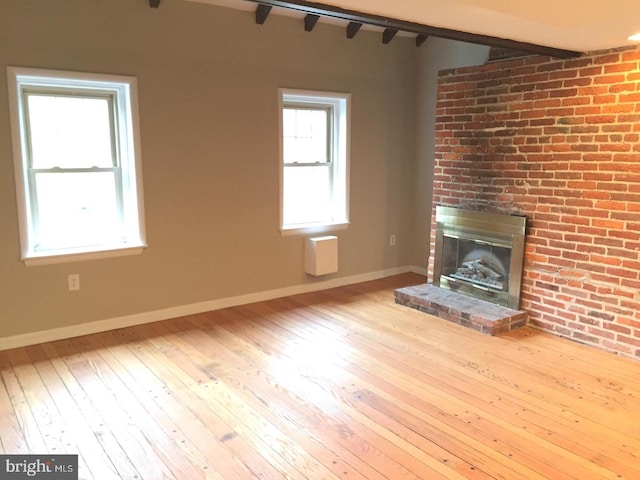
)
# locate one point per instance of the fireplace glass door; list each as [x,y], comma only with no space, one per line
[485,265]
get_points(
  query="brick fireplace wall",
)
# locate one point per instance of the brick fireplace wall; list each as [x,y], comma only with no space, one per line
[559,142]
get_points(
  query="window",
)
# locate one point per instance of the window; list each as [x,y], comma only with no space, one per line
[77,161]
[314,160]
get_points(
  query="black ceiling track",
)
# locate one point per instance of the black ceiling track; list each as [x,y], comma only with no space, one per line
[423,31]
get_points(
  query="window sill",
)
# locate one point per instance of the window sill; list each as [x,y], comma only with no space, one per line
[59,256]
[313,229]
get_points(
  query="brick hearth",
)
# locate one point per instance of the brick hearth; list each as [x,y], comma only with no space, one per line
[469,312]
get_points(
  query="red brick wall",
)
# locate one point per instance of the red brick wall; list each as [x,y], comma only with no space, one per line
[557,141]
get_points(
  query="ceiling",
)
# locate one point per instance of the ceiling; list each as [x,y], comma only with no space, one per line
[580,25]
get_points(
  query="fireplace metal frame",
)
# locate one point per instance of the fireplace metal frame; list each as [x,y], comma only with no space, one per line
[490,228]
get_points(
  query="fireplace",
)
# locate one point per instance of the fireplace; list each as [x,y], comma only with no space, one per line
[480,254]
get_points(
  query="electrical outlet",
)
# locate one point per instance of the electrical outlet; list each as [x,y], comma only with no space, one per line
[392,240]
[74,282]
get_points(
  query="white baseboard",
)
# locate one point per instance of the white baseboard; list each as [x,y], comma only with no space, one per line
[419,270]
[182,310]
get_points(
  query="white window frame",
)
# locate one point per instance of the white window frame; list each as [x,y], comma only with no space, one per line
[126,131]
[339,105]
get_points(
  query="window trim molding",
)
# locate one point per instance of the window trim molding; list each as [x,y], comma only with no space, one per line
[341,156]
[73,255]
[42,78]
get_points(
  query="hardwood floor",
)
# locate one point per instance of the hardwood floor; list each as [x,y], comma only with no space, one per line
[336,384]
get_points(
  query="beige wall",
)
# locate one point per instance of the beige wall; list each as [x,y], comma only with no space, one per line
[437,54]
[207,80]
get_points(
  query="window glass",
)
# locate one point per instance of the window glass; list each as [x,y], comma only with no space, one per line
[307,194]
[68,131]
[306,135]
[76,209]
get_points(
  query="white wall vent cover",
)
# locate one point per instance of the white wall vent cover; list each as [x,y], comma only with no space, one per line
[321,255]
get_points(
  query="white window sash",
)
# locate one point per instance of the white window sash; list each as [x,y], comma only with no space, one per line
[338,152]
[126,166]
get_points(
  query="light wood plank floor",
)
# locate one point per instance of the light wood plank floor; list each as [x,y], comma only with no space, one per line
[337,384]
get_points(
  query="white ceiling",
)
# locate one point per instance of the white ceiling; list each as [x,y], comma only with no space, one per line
[582,25]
